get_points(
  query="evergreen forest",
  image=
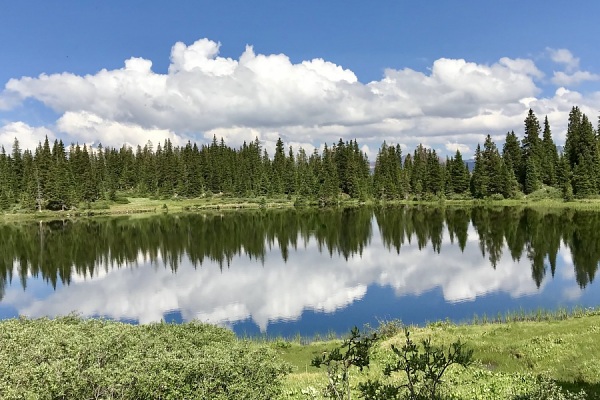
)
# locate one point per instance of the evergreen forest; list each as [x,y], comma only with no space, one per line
[55,177]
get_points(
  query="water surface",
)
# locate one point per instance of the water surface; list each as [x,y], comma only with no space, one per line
[302,271]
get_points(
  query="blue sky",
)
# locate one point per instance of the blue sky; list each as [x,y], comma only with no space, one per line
[442,73]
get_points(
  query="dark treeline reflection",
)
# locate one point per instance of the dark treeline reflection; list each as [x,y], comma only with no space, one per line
[55,250]
[526,233]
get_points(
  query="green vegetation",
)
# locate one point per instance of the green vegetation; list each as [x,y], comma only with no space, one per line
[549,357]
[534,356]
[70,358]
[103,180]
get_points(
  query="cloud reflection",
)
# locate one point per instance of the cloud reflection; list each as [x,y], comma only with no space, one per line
[276,291]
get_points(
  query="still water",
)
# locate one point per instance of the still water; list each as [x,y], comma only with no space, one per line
[302,271]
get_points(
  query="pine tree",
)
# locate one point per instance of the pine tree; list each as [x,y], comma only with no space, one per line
[290,177]
[16,174]
[278,169]
[572,142]
[386,176]
[435,176]
[549,156]
[585,172]
[513,156]
[29,193]
[479,180]
[459,174]
[59,190]
[532,154]
[329,190]
[419,171]
[492,168]
[5,178]
[305,178]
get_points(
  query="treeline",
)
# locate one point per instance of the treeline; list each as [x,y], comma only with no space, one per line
[54,177]
[523,167]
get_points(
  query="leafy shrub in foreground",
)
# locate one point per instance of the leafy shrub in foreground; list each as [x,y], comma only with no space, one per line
[69,358]
[423,367]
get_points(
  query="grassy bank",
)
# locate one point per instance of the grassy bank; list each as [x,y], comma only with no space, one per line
[70,358]
[510,358]
[137,205]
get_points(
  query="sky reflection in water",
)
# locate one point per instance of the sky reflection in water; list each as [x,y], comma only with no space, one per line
[317,289]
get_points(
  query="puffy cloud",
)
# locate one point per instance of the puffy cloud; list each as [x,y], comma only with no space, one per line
[89,128]
[572,75]
[564,57]
[29,137]
[201,55]
[463,148]
[563,79]
[309,103]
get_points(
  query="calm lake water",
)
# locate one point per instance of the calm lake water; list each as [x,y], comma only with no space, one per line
[302,271]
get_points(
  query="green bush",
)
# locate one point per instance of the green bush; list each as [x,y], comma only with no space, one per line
[547,389]
[121,200]
[70,358]
[497,197]
[545,193]
[100,205]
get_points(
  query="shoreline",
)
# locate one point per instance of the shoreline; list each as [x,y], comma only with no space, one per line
[147,206]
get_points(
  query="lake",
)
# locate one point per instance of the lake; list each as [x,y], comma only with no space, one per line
[308,272]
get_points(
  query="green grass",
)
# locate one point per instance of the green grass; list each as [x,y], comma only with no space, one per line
[544,199]
[509,356]
[73,358]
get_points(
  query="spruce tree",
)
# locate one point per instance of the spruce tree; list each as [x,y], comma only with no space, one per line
[492,168]
[532,154]
[572,141]
[479,179]
[16,174]
[435,176]
[549,156]
[513,156]
[418,178]
[278,169]
[585,171]
[459,173]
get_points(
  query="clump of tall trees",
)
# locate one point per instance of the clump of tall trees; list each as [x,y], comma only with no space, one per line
[523,167]
[55,177]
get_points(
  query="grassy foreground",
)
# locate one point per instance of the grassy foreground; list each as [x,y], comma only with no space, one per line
[71,358]
[510,358]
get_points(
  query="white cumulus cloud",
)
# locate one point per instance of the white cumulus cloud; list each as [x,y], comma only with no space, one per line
[565,58]
[28,136]
[563,79]
[89,128]
[308,103]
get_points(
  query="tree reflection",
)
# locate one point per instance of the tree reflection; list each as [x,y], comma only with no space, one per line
[55,250]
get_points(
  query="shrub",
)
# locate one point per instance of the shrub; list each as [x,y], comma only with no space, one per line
[547,389]
[121,200]
[354,351]
[100,205]
[69,358]
[423,366]
[497,197]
